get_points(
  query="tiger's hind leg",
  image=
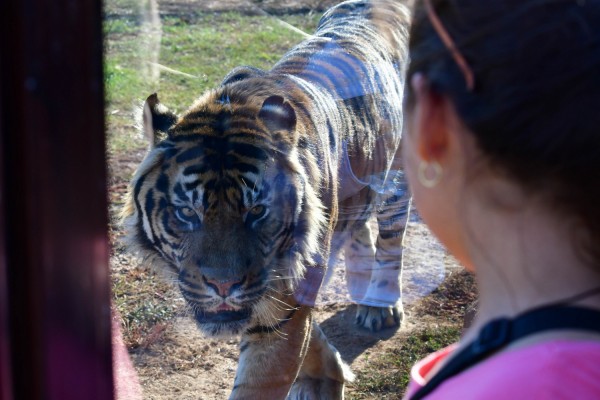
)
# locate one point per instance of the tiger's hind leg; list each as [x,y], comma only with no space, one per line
[323,373]
[381,306]
[360,258]
[375,310]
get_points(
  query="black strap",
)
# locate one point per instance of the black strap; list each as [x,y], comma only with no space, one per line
[500,332]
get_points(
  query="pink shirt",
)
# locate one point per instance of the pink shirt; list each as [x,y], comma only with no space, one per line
[558,369]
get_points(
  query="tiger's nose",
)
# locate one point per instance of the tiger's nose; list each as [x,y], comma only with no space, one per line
[225,287]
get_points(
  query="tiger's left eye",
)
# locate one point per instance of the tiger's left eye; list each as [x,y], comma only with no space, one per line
[186,214]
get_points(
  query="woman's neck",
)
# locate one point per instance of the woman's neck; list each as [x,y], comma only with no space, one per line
[523,260]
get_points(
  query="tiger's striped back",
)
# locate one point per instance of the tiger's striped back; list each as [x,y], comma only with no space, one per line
[352,70]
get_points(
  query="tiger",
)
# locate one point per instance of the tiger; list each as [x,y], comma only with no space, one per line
[248,196]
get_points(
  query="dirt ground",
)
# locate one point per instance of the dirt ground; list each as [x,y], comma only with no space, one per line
[181,364]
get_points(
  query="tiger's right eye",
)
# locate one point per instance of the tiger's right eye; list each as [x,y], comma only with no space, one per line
[255,214]
[258,210]
[186,214]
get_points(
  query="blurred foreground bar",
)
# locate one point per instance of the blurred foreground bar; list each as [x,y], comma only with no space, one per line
[54,289]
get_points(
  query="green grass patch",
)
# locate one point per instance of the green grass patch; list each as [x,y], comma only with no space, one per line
[180,58]
[388,375]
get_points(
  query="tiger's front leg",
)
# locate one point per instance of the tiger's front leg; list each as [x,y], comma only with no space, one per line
[323,374]
[270,359]
[296,362]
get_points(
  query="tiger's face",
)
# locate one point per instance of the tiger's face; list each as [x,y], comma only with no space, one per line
[224,203]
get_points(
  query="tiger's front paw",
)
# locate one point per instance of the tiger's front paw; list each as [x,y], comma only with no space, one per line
[316,389]
[378,318]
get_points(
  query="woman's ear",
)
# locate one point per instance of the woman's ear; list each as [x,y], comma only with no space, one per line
[430,120]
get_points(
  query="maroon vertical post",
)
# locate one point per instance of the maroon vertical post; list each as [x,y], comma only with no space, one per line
[54,289]
[5,373]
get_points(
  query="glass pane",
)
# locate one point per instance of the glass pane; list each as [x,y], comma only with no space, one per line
[183,49]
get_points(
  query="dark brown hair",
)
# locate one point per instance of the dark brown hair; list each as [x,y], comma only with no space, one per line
[535,106]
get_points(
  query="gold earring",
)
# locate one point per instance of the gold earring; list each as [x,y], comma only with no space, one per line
[429,177]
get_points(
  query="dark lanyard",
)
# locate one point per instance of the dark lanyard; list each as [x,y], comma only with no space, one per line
[500,332]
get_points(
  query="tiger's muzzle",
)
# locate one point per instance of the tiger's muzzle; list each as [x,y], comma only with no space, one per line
[222,302]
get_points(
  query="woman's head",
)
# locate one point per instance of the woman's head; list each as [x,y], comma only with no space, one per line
[534,109]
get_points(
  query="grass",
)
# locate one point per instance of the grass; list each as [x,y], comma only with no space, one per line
[181,58]
[145,303]
[441,314]
[388,375]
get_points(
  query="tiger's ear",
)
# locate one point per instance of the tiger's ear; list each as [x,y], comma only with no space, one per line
[277,114]
[157,120]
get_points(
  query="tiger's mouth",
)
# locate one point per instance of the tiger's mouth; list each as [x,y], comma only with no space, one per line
[222,317]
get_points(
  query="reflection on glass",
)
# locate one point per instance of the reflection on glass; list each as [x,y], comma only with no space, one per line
[279,188]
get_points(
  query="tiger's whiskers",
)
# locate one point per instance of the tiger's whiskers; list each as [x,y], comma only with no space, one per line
[276,330]
[289,307]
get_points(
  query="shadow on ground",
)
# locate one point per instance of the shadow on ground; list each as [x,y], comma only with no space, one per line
[351,346]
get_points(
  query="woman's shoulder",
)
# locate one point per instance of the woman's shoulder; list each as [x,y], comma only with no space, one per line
[559,356]
[556,369]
